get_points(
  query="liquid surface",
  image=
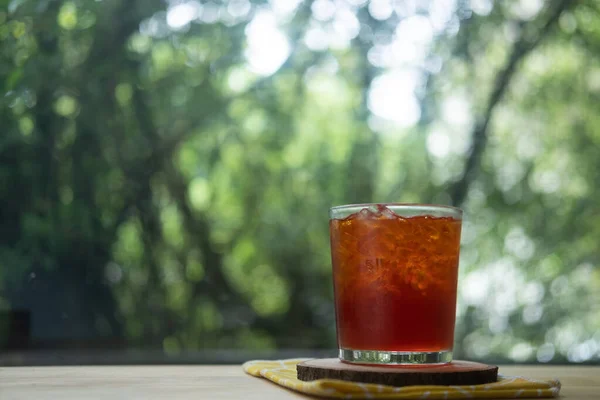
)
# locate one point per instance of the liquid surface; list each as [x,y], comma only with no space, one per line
[395,280]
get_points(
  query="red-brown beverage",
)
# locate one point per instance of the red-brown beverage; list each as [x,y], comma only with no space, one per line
[395,281]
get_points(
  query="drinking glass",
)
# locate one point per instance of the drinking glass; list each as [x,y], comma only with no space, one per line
[395,269]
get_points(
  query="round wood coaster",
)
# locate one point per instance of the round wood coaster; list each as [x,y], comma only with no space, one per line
[455,373]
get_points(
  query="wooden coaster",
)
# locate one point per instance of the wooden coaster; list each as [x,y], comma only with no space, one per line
[455,373]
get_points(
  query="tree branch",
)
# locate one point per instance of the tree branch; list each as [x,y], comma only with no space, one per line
[528,40]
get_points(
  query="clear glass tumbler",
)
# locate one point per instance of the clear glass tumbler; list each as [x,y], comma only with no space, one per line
[395,269]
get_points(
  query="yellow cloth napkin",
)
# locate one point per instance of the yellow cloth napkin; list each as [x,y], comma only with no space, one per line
[283,373]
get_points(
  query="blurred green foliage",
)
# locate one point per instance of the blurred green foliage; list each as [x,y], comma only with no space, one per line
[157,190]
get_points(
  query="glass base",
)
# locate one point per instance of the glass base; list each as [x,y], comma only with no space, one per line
[394,357]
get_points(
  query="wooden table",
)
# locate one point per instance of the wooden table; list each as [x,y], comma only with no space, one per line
[211,382]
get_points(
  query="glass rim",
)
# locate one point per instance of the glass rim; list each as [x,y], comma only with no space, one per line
[421,208]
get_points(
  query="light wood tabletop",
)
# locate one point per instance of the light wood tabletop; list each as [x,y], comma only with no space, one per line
[212,382]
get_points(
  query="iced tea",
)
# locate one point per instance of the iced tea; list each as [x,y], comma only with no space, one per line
[395,275]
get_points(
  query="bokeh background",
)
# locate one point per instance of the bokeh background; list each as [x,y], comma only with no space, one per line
[166,168]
